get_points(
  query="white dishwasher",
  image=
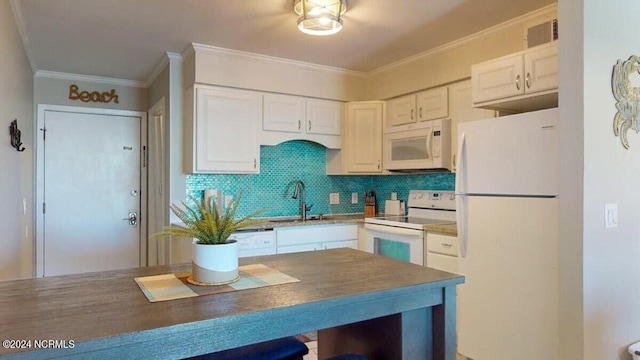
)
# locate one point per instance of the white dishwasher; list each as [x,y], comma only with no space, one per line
[254,243]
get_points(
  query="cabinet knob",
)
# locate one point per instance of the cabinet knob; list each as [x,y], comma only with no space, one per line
[299,124]
[309,126]
[420,112]
[378,164]
[255,163]
[527,81]
[411,114]
[518,82]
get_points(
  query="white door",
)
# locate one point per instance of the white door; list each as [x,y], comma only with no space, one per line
[89,168]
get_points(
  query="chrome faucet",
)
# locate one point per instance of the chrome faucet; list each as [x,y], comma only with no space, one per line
[299,191]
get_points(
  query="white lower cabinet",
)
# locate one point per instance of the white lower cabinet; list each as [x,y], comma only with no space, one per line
[442,252]
[316,237]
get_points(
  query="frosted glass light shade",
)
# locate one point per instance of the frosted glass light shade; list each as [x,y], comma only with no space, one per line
[320,17]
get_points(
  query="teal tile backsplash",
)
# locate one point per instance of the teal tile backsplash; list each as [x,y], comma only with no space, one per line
[305,160]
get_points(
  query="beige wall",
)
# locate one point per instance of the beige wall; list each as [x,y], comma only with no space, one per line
[452,62]
[600,266]
[16,168]
[55,91]
[217,67]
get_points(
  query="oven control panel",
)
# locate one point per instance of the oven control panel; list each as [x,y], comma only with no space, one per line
[430,199]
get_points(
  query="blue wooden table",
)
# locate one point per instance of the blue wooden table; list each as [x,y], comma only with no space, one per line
[386,308]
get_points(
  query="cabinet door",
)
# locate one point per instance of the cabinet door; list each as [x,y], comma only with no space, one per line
[401,111]
[432,104]
[462,110]
[498,78]
[298,248]
[340,244]
[324,117]
[226,131]
[363,137]
[283,113]
[541,69]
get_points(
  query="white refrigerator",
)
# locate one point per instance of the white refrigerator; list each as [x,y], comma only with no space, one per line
[507,208]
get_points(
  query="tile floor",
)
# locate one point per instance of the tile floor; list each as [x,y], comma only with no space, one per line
[313,352]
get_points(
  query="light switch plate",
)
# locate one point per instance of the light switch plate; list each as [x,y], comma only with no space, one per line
[334,199]
[354,198]
[610,215]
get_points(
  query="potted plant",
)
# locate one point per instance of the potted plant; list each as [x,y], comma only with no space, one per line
[214,257]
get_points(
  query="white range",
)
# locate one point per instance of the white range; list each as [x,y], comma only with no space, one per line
[404,237]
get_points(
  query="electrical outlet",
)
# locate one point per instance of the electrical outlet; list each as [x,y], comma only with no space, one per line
[227,200]
[354,198]
[334,199]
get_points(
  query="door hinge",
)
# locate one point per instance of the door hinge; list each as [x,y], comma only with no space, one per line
[44,208]
[44,133]
[144,156]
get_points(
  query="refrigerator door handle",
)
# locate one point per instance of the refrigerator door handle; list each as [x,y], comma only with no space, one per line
[461,224]
[461,219]
[460,164]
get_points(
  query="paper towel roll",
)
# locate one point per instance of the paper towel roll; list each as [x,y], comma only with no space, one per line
[217,195]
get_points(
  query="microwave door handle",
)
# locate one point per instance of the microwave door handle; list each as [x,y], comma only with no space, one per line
[429,144]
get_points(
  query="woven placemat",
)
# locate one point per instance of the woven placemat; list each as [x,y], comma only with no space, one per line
[175,285]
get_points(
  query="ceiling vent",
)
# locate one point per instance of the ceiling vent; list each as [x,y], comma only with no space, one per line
[541,33]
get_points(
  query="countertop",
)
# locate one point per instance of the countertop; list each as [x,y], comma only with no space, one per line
[447,229]
[273,223]
[108,317]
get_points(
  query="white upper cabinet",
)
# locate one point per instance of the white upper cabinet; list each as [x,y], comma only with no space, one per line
[222,129]
[288,117]
[283,113]
[363,137]
[425,105]
[520,82]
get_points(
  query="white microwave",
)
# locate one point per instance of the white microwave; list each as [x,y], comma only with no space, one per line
[425,145]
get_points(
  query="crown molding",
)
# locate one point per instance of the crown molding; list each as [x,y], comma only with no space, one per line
[17,15]
[486,32]
[267,59]
[170,56]
[89,78]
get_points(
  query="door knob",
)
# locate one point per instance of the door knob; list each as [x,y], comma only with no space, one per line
[133,218]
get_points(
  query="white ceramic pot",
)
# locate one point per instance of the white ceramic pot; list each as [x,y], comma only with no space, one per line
[215,264]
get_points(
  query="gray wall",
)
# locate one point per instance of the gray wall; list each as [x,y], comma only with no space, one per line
[16,168]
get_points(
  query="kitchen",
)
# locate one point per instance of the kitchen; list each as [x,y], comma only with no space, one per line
[592,346]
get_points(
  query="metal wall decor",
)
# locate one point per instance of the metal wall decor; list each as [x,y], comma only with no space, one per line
[628,98]
[15,136]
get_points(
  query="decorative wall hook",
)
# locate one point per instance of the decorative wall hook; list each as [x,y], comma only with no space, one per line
[628,98]
[15,136]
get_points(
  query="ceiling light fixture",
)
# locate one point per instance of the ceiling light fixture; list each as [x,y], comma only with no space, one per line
[320,17]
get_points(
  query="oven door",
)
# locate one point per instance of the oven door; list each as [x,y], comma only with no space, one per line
[395,242]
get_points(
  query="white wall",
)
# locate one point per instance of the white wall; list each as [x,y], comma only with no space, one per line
[602,31]
[16,168]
